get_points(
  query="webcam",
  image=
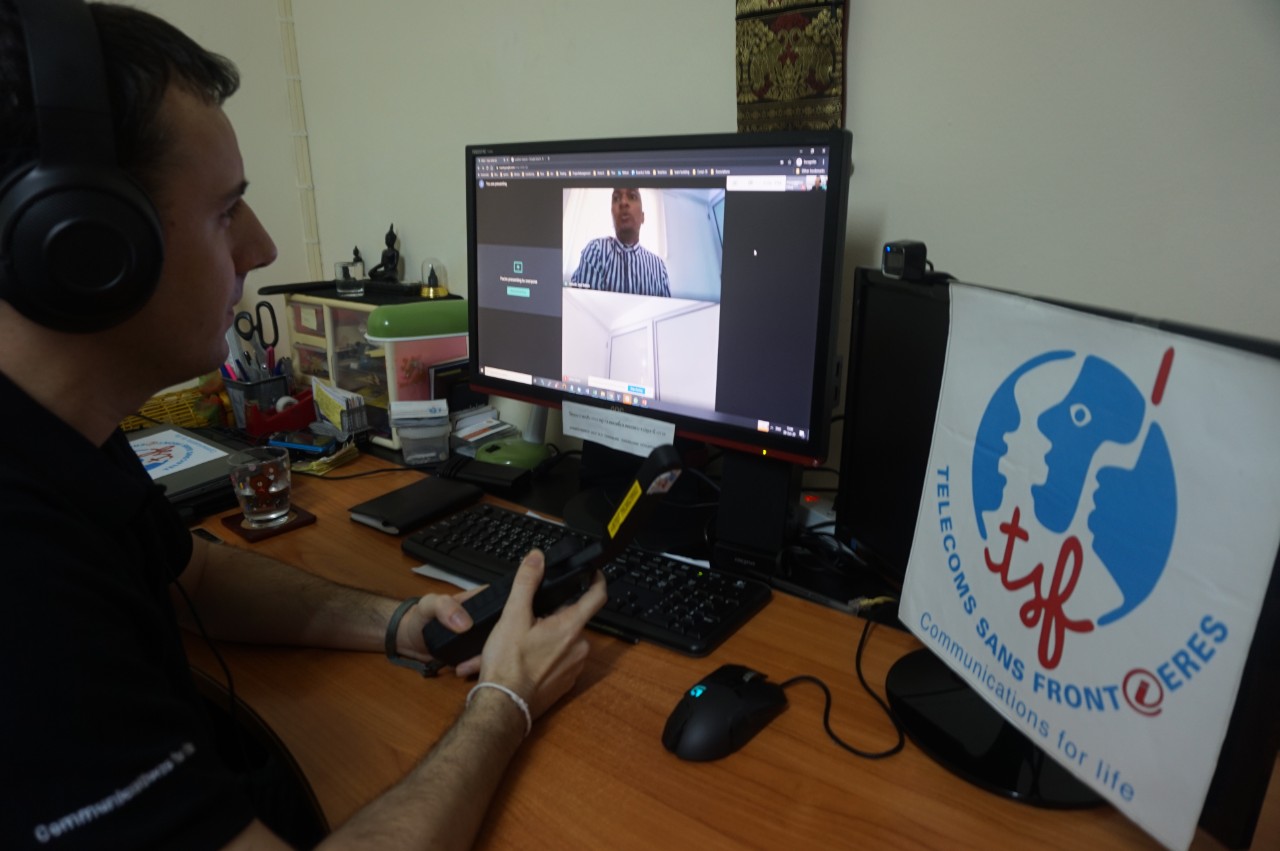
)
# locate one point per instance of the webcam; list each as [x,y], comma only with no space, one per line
[904,259]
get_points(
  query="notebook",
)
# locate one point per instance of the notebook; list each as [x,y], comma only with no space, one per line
[192,468]
[411,506]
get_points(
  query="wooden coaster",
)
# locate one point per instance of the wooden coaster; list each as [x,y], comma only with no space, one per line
[297,517]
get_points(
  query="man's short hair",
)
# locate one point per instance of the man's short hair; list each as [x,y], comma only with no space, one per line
[142,55]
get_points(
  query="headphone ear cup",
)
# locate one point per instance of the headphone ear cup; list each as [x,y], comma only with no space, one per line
[82,246]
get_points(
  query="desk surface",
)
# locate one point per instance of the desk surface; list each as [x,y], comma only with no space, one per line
[594,772]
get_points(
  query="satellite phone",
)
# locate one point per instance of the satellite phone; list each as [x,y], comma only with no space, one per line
[570,565]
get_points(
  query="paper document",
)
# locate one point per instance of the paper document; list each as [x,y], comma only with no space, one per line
[615,429]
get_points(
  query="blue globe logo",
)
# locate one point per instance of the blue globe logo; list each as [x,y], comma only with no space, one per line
[1132,511]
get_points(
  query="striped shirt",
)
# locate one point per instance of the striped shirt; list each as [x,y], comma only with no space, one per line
[607,264]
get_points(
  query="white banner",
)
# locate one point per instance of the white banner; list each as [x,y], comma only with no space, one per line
[1098,525]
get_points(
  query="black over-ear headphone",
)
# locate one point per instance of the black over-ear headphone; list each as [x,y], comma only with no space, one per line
[80,241]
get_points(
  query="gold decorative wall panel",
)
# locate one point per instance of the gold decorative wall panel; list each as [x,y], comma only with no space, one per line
[790,58]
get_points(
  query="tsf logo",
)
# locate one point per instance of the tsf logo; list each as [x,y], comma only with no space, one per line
[158,454]
[1103,495]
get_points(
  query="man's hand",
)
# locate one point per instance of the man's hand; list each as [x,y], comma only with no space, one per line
[448,610]
[538,658]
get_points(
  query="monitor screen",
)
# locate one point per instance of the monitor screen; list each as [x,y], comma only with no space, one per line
[693,279]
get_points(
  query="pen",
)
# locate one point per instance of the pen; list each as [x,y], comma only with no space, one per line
[271,361]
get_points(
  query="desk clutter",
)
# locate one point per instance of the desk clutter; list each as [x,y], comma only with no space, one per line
[371,369]
[408,350]
[319,423]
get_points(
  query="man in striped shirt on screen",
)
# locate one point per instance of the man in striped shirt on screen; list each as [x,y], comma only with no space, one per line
[619,263]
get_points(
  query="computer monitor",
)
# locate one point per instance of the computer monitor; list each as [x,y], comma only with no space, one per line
[897,353]
[688,279]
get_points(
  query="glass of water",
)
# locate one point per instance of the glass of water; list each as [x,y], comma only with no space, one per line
[262,484]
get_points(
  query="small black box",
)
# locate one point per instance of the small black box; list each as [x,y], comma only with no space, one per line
[904,260]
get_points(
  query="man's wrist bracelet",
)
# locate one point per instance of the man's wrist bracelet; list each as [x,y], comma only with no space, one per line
[515,698]
[427,669]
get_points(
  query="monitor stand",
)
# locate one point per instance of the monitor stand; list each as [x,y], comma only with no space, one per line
[951,723]
[681,521]
[760,532]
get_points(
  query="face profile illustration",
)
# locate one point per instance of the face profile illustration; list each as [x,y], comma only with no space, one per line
[1132,511]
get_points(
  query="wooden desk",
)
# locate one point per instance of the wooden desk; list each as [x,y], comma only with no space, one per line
[594,773]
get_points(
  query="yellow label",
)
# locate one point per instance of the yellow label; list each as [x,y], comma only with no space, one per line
[628,501]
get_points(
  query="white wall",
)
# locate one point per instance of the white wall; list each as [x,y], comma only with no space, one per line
[395,90]
[1117,152]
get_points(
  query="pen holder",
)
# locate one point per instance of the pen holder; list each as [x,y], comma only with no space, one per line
[261,395]
[263,421]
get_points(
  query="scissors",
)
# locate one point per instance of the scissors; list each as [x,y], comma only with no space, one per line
[258,325]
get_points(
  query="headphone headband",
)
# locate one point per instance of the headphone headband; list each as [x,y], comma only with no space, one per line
[69,89]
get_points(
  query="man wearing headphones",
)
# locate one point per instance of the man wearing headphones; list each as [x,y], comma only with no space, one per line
[125,239]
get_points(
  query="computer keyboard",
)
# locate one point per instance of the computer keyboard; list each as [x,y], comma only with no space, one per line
[654,598]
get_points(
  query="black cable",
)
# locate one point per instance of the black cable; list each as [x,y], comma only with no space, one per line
[397,468]
[825,552]
[232,701]
[546,465]
[826,710]
[195,616]
[711,483]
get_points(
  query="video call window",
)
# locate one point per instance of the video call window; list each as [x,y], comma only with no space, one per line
[681,230]
[640,311]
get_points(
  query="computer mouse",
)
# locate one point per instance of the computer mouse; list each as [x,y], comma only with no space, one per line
[721,713]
